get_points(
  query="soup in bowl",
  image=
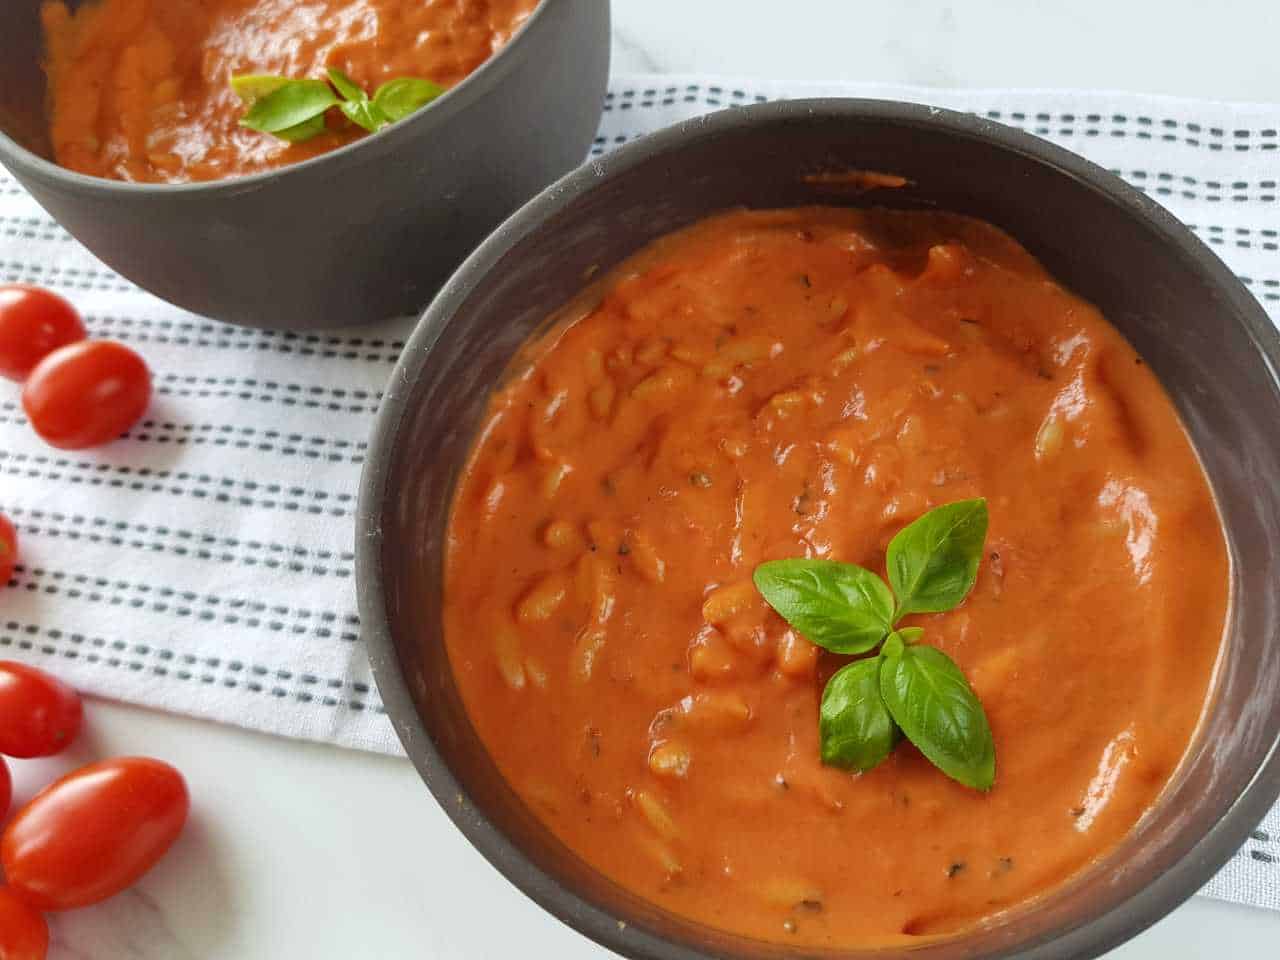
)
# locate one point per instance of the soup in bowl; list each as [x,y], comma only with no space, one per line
[146,91]
[663,587]
[693,447]
[145,161]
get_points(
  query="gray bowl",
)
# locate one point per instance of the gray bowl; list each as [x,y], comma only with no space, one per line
[302,247]
[1203,334]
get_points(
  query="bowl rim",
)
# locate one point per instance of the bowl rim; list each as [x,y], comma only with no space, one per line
[1088,938]
[475,85]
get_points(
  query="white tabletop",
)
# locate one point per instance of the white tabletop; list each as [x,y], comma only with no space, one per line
[303,851]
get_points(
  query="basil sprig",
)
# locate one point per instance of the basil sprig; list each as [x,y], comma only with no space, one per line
[294,110]
[907,688]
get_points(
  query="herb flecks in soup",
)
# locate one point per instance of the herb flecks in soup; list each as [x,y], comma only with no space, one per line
[805,383]
[140,88]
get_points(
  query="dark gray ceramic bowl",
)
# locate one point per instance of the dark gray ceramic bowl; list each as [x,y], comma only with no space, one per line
[1201,331]
[300,247]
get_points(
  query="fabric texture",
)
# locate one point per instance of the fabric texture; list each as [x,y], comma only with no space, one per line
[204,565]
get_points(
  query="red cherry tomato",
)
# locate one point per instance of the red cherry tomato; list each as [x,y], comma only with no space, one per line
[93,833]
[23,933]
[86,394]
[33,323]
[39,714]
[8,553]
[6,794]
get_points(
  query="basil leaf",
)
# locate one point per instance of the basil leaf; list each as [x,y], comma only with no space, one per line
[910,634]
[930,699]
[364,113]
[933,561]
[252,87]
[400,97]
[356,105]
[293,104]
[346,87]
[839,606]
[854,725]
[302,131]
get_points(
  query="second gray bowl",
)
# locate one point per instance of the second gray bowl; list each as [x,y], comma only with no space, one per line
[1207,339]
[366,232]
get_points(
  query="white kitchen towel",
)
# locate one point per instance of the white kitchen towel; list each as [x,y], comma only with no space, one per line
[203,565]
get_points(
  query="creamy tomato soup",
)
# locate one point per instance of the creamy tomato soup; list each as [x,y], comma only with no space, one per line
[139,88]
[803,383]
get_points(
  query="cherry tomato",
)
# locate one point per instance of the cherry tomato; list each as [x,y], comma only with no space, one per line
[23,933]
[6,794]
[93,833]
[39,714]
[33,323]
[86,394]
[8,552]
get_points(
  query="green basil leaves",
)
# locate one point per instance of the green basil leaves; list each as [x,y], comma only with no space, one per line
[855,727]
[294,110]
[356,105]
[400,97]
[346,87]
[840,607]
[933,562]
[907,688]
[932,702]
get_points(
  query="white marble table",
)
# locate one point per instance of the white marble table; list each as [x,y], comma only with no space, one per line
[302,851]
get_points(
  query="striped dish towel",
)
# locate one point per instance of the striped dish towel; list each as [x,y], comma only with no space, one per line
[204,564]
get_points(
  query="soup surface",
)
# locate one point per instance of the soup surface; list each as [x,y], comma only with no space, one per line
[804,383]
[139,88]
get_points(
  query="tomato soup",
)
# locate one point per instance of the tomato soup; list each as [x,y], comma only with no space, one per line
[803,383]
[139,88]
